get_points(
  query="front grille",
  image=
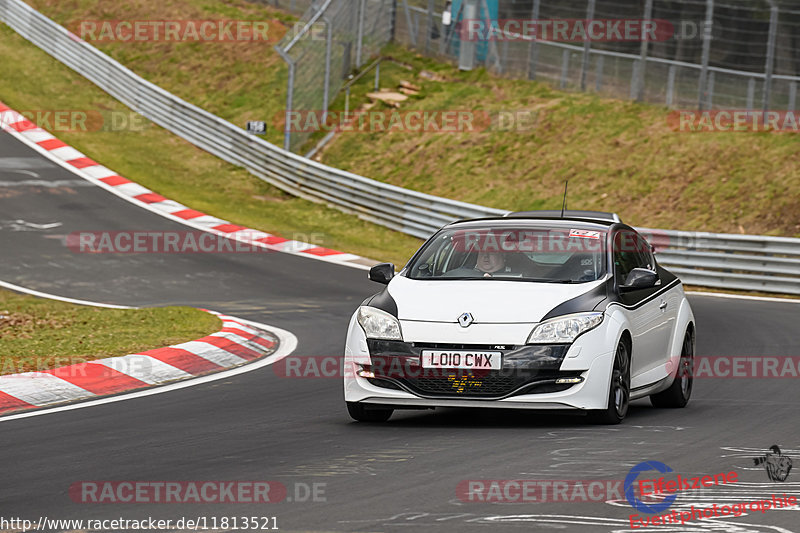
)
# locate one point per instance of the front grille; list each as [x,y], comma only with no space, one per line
[493,384]
[384,383]
[450,346]
[488,385]
[526,370]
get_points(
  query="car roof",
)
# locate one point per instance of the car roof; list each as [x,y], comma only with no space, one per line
[515,219]
[572,214]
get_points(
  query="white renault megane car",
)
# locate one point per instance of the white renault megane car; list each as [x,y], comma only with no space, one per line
[535,310]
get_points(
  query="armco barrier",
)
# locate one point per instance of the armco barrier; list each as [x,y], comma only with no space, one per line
[744,262]
[769,264]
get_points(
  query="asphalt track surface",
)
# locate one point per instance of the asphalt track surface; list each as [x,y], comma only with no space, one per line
[400,476]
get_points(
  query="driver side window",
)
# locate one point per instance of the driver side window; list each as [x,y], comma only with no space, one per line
[630,251]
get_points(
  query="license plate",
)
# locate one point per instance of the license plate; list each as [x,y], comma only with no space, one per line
[462,359]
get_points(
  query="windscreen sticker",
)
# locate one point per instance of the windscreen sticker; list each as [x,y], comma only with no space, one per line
[584,234]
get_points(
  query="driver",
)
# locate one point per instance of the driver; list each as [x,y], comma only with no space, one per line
[491,263]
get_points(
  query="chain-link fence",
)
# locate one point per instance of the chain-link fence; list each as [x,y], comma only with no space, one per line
[297,7]
[734,54]
[332,39]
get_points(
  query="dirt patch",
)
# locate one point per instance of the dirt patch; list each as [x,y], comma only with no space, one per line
[23,325]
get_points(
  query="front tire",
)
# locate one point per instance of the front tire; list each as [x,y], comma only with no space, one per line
[359,412]
[678,394]
[619,393]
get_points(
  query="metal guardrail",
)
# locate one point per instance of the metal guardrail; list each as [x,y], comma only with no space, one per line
[742,262]
[770,264]
[401,209]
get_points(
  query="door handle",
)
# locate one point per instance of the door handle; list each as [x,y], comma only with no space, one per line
[663,305]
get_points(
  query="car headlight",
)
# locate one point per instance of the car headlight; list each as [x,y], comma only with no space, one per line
[379,324]
[564,329]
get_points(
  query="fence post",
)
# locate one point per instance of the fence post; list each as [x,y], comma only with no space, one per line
[466,59]
[394,21]
[327,83]
[287,134]
[671,85]
[347,59]
[648,15]
[360,42]
[504,55]
[451,28]
[634,77]
[770,67]
[710,91]
[701,85]
[587,45]
[533,51]
[792,96]
[564,68]
[411,32]
[446,28]
[598,76]
[751,93]
[287,130]
[429,27]
[492,43]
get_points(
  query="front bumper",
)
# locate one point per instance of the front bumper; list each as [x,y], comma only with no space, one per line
[526,380]
[526,369]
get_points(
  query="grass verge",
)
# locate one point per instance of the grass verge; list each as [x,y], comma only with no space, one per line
[159,160]
[39,334]
[618,155]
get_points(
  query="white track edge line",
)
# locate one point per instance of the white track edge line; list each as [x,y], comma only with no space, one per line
[25,290]
[745,297]
[287,343]
[64,164]
[138,203]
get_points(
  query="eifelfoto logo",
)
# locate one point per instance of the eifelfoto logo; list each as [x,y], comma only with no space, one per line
[775,463]
[630,485]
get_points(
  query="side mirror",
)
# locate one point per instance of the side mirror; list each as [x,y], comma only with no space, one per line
[639,278]
[382,273]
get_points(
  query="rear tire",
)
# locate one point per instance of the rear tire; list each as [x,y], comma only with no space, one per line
[678,394]
[619,393]
[359,412]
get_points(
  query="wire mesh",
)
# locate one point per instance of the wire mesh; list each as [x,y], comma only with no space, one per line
[747,50]
[332,39]
[674,73]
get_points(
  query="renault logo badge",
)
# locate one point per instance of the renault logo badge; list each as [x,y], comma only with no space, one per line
[465,320]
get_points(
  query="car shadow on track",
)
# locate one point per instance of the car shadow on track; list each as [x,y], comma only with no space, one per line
[448,417]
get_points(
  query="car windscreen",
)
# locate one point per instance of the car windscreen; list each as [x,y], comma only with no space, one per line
[542,254]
